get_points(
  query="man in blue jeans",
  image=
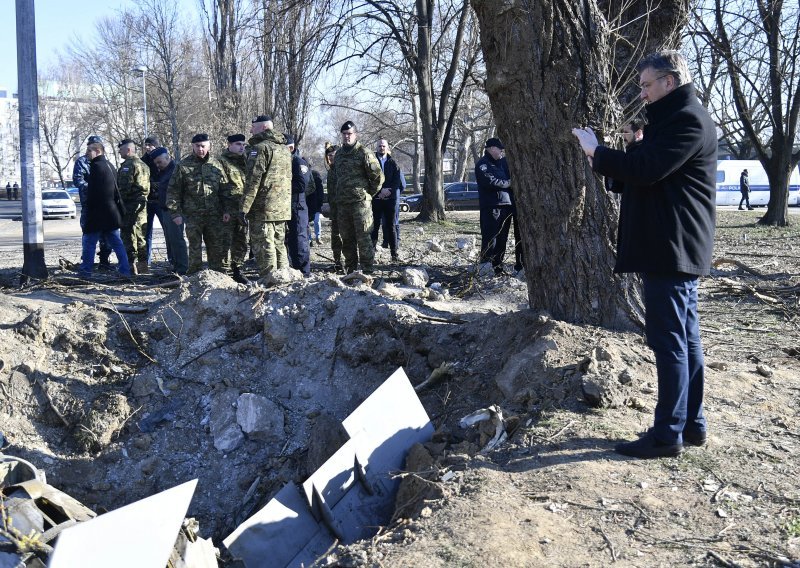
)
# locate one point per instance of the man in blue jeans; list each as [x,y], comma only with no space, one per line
[666,234]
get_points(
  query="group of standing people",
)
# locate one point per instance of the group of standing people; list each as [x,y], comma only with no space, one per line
[12,191]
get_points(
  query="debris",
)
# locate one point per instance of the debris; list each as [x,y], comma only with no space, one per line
[224,428]
[465,243]
[166,413]
[494,415]
[717,365]
[108,414]
[358,277]
[259,418]
[439,374]
[434,246]
[415,276]
[281,276]
[764,370]
[722,513]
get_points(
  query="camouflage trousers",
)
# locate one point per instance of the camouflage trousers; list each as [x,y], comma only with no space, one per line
[238,242]
[134,226]
[268,239]
[207,227]
[355,225]
[336,238]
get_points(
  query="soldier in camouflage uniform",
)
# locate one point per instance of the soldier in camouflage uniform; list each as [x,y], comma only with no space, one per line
[133,179]
[357,176]
[267,197]
[199,193]
[233,162]
[336,239]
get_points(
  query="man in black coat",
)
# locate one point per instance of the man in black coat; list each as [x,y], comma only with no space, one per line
[104,211]
[668,238]
[744,188]
[385,202]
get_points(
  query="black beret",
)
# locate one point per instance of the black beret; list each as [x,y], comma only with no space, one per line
[160,151]
[94,139]
[125,141]
[202,137]
[347,125]
[495,142]
[289,139]
[262,118]
[152,141]
[236,138]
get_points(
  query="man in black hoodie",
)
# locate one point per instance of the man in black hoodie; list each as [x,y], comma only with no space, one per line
[667,236]
[496,204]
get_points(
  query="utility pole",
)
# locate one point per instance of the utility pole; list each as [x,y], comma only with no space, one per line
[143,70]
[33,266]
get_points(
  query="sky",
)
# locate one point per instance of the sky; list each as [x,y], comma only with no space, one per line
[58,23]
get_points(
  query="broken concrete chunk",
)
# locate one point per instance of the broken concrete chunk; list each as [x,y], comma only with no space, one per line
[109,412]
[224,428]
[434,246]
[764,370]
[717,366]
[259,417]
[465,243]
[416,277]
[514,379]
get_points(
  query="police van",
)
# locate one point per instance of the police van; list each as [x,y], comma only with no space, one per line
[728,173]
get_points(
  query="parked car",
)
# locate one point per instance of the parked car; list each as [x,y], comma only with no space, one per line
[461,195]
[411,202]
[57,203]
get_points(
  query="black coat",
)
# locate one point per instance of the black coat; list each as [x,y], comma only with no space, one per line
[316,198]
[162,183]
[391,175]
[494,182]
[102,211]
[744,183]
[668,210]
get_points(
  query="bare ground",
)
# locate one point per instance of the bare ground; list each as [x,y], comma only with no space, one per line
[554,494]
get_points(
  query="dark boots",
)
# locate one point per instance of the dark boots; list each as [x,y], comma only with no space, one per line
[238,276]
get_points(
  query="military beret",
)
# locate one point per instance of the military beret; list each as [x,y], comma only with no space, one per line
[235,138]
[289,140]
[495,142]
[160,151]
[94,139]
[152,141]
[347,125]
[262,118]
[124,142]
[202,137]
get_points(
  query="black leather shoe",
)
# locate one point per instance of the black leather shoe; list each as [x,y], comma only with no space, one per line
[648,447]
[694,438]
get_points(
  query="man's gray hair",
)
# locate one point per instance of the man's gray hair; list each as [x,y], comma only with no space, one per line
[669,62]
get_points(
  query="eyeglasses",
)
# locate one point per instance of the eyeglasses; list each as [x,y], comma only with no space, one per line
[647,84]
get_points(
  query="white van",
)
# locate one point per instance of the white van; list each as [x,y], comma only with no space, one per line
[728,173]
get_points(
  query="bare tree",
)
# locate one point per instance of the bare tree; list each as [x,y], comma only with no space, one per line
[758,42]
[553,64]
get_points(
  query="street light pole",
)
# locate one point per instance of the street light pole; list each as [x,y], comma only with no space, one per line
[143,70]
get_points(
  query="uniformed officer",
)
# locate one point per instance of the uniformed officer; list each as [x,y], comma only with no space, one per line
[267,199]
[233,162]
[133,180]
[297,233]
[199,192]
[357,177]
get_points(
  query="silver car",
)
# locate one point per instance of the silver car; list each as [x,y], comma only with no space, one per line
[57,203]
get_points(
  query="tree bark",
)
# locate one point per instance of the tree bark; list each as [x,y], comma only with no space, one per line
[549,68]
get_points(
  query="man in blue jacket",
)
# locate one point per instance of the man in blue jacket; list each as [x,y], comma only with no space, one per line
[496,204]
[667,236]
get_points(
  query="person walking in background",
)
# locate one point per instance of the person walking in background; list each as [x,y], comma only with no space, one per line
[496,205]
[16,190]
[8,190]
[744,188]
[670,184]
[104,211]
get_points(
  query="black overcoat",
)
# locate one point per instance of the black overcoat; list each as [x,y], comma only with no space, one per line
[102,211]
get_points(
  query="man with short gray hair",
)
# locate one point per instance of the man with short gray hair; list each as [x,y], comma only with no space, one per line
[666,234]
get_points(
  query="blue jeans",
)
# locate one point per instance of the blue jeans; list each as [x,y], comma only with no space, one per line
[673,333]
[89,243]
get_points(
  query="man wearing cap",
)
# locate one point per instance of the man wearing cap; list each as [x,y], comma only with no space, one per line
[357,177]
[297,233]
[199,194]
[174,233]
[267,201]
[744,189]
[233,162]
[80,179]
[150,144]
[133,180]
[496,204]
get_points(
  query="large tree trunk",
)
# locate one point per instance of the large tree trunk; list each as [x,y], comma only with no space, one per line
[778,172]
[549,68]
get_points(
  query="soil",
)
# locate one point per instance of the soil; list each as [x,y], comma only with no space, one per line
[120,389]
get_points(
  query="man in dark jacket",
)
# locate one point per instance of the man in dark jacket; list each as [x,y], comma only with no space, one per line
[297,230]
[174,233]
[744,188]
[150,144]
[668,238]
[496,205]
[385,203]
[104,211]
[80,179]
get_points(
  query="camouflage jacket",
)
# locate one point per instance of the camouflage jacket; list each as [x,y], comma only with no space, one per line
[268,181]
[198,186]
[133,179]
[234,166]
[356,175]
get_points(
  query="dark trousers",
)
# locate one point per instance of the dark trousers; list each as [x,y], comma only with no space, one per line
[297,236]
[383,216]
[745,199]
[396,224]
[673,333]
[152,212]
[495,224]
